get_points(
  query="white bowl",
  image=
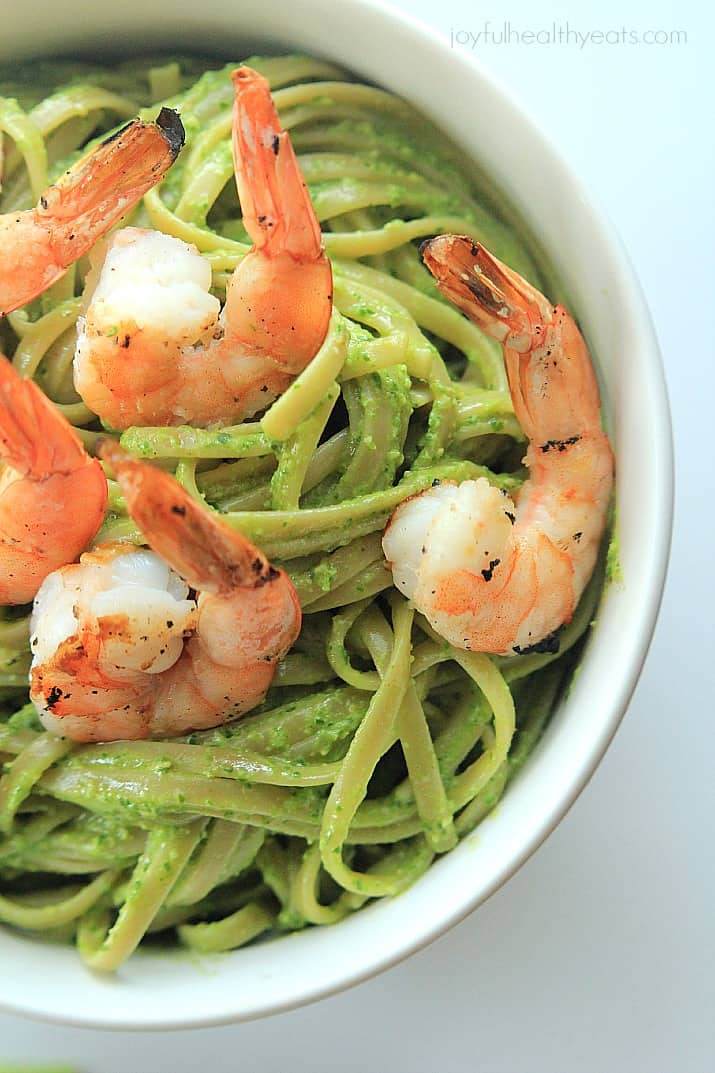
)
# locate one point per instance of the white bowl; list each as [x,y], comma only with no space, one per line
[177,990]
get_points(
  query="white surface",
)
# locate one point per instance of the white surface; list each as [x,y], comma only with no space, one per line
[594,956]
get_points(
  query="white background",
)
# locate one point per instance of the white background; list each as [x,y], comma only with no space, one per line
[597,957]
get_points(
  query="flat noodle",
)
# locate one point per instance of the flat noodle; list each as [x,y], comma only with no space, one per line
[378,746]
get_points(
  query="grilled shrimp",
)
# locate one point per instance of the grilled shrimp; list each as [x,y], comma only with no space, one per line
[38,245]
[52,494]
[135,643]
[153,346]
[490,575]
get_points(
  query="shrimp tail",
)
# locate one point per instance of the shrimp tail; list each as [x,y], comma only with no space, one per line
[195,542]
[276,206]
[35,439]
[85,202]
[554,399]
[494,297]
[279,301]
[101,187]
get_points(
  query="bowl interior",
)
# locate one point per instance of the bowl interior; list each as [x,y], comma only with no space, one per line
[177,989]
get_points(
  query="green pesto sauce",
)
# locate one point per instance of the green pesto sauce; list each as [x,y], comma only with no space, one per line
[614,570]
[389,439]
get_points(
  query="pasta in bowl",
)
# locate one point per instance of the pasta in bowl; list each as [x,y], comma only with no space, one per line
[377,745]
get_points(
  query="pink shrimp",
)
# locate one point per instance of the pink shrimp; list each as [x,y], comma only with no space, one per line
[122,651]
[52,494]
[38,245]
[488,575]
[152,348]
